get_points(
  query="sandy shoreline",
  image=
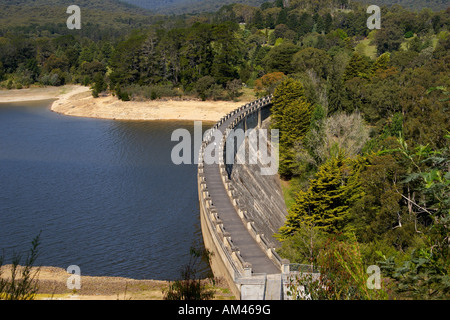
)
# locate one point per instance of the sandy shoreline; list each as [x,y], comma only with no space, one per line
[77,101]
[52,284]
[31,94]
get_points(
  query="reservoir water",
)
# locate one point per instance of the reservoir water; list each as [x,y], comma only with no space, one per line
[104,194]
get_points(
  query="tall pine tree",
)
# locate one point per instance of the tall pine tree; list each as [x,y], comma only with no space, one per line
[327,202]
[291,114]
[357,67]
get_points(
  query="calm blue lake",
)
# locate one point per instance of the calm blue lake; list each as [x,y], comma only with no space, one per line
[105,194]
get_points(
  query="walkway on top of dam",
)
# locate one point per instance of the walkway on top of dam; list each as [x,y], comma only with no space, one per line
[250,251]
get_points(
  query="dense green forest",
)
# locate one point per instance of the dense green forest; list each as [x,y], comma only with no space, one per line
[363,114]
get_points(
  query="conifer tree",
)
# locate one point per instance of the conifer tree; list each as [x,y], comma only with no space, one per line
[282,17]
[258,20]
[327,202]
[286,92]
[295,122]
[357,67]
[291,114]
[382,63]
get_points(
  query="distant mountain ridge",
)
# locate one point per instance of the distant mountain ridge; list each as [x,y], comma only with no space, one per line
[196,6]
[143,7]
[105,13]
[103,5]
[154,4]
[189,6]
[415,5]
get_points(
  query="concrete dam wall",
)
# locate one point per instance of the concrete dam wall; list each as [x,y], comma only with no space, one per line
[240,209]
[261,195]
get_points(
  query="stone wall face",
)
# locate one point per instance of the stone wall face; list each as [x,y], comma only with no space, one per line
[261,195]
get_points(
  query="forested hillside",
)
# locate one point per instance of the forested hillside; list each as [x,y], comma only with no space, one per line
[49,16]
[103,5]
[188,6]
[363,115]
[196,6]
[414,5]
[155,5]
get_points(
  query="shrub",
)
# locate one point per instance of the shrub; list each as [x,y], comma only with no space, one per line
[22,284]
[191,287]
[267,83]
[203,87]
[121,95]
[409,34]
[342,275]
[150,92]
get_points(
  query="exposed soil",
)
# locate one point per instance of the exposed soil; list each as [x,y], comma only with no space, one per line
[52,284]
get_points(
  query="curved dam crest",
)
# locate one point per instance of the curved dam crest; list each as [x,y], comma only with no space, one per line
[240,209]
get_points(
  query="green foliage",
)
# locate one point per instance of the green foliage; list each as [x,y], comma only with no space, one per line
[191,287]
[304,245]
[288,91]
[22,282]
[206,88]
[415,5]
[378,213]
[381,63]
[313,59]
[100,19]
[125,62]
[409,34]
[327,202]
[203,87]
[291,115]
[99,85]
[342,275]
[227,54]
[152,92]
[424,276]
[121,95]
[296,118]
[357,67]
[279,58]
[233,88]
[388,38]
